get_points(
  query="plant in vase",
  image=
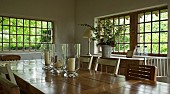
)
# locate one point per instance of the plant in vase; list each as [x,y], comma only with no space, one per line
[106,33]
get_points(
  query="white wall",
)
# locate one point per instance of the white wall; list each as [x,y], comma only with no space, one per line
[62,12]
[86,10]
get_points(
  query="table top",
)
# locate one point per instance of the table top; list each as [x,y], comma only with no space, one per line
[87,81]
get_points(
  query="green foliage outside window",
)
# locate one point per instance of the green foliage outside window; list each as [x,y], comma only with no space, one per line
[24,34]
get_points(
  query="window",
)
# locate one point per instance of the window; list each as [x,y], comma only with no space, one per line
[153,31]
[24,34]
[123,41]
[147,29]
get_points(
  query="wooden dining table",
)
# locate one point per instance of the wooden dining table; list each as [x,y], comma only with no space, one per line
[32,79]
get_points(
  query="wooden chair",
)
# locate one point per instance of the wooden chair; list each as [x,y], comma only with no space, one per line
[7,87]
[5,71]
[141,72]
[10,57]
[114,62]
[86,61]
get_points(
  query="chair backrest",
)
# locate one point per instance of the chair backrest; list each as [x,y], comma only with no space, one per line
[5,71]
[10,57]
[115,62]
[141,72]
[7,87]
[86,60]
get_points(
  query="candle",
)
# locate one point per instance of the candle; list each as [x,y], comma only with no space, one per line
[71,64]
[46,57]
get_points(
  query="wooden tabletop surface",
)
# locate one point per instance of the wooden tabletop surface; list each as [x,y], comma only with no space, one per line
[39,81]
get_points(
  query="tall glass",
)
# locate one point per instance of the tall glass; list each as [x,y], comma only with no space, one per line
[71,53]
[48,54]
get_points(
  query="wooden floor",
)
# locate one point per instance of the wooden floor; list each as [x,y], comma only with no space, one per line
[163,79]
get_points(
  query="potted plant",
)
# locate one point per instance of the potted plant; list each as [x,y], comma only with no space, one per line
[106,34]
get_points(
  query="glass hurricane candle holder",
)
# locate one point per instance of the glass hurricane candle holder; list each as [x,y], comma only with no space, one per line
[71,53]
[46,60]
[48,54]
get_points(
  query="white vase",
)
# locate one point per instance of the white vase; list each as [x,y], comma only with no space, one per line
[106,51]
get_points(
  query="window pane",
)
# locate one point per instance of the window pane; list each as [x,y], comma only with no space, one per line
[140,38]
[127,38]
[155,48]
[32,45]
[13,46]
[141,28]
[163,36]
[164,25]
[127,19]
[32,38]
[163,49]
[116,49]
[121,38]
[19,30]
[116,21]
[141,17]
[147,37]
[12,38]
[155,26]
[44,24]
[26,31]
[13,21]
[5,21]
[155,37]
[127,47]
[5,38]
[32,23]
[155,15]
[26,23]
[20,46]
[121,20]
[32,32]
[127,29]
[13,30]
[38,39]
[121,48]
[26,39]
[147,16]
[164,14]
[39,24]
[148,48]
[5,46]
[6,29]
[148,27]
[38,31]
[26,46]
[19,22]
[19,38]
